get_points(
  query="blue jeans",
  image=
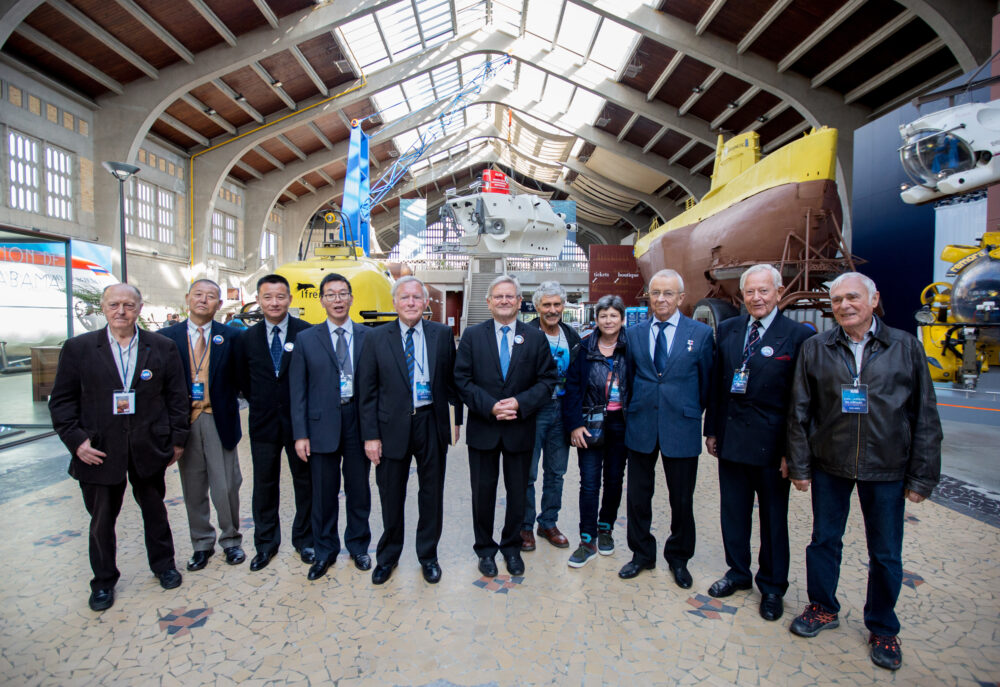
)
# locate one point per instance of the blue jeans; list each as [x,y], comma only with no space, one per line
[608,459]
[882,507]
[550,439]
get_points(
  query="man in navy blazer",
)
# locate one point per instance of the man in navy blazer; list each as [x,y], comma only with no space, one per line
[266,352]
[745,430]
[670,365]
[326,426]
[505,375]
[210,464]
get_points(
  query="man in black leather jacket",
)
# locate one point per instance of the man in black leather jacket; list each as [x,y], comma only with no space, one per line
[863,413]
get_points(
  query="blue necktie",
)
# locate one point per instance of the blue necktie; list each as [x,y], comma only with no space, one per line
[504,351]
[409,354]
[660,354]
[752,340]
[276,349]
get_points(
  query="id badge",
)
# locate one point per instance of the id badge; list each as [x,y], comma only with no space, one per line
[123,403]
[854,399]
[346,386]
[740,380]
[423,391]
[198,391]
[614,394]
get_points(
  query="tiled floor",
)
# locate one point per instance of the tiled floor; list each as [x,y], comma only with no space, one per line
[555,625]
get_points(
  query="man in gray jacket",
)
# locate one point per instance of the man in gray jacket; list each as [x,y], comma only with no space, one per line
[863,413]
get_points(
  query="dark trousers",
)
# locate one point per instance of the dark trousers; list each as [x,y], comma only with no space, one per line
[104,503]
[484,473]
[738,484]
[392,474]
[681,475]
[608,459]
[266,457]
[325,471]
[882,505]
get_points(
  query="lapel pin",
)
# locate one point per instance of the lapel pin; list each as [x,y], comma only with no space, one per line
[289,346]
[146,375]
[690,345]
[519,339]
[217,339]
[767,351]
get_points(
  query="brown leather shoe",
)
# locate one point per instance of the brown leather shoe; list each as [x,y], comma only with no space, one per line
[555,537]
[527,540]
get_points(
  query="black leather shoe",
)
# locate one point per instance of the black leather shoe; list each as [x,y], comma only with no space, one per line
[235,555]
[488,566]
[432,572]
[319,568]
[102,599]
[772,607]
[681,576]
[382,573]
[169,579]
[199,559]
[307,554]
[515,565]
[260,561]
[725,587]
[362,561]
[633,568]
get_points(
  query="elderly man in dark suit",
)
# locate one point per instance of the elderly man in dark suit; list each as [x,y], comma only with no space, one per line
[407,388]
[210,464]
[745,430]
[505,375]
[670,366]
[325,424]
[266,352]
[119,404]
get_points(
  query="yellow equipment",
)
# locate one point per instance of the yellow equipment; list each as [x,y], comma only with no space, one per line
[371,283]
[960,321]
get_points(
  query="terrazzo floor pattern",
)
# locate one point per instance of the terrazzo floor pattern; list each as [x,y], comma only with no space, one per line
[555,625]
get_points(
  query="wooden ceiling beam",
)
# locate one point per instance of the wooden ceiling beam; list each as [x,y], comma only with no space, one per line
[156,29]
[109,41]
[77,63]
[213,20]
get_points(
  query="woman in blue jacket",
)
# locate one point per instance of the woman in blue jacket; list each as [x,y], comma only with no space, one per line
[593,411]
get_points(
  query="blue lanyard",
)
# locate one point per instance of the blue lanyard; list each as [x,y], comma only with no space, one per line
[423,343]
[208,342]
[849,359]
[125,361]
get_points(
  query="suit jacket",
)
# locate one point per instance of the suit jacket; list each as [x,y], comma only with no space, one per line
[667,410]
[384,386]
[270,414]
[223,387]
[531,377]
[750,428]
[314,386]
[81,408]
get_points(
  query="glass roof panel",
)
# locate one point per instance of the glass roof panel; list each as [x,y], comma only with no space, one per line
[578,26]
[614,45]
[543,16]
[362,37]
[400,29]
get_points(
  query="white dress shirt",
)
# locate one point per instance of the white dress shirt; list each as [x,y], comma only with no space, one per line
[282,331]
[125,357]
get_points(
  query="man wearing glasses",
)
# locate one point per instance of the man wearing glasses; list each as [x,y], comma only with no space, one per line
[326,427]
[505,375]
[670,361]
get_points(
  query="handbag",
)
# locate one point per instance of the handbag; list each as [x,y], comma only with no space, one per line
[593,421]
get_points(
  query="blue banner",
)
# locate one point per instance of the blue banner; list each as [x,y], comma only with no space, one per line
[356,190]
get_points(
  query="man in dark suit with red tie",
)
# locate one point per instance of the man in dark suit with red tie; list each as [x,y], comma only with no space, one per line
[504,374]
[745,430]
[407,389]
[265,354]
[119,404]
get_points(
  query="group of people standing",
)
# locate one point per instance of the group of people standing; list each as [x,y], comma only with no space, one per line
[850,408]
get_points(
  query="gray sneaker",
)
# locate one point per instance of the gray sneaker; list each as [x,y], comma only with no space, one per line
[605,542]
[583,553]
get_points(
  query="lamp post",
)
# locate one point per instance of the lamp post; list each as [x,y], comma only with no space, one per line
[121,171]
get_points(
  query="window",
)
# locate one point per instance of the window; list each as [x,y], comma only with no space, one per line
[223,235]
[268,245]
[24,172]
[58,183]
[150,212]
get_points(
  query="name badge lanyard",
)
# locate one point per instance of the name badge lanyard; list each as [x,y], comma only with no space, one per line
[417,395]
[197,368]
[611,380]
[854,398]
[126,360]
[198,388]
[848,359]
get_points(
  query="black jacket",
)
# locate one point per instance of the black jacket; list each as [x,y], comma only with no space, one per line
[899,437]
[586,379]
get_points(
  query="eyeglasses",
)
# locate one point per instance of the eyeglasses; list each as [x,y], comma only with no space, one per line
[128,307]
[339,296]
[503,298]
[669,295]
